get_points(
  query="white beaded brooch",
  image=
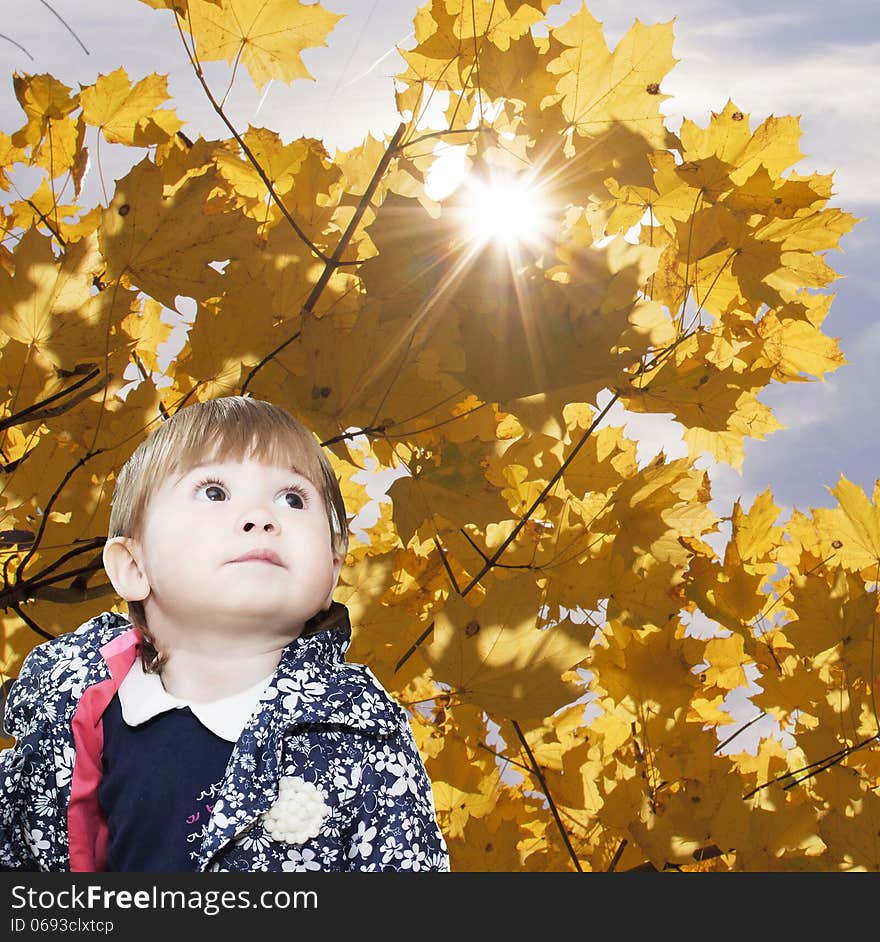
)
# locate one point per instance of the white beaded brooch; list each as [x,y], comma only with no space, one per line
[298,813]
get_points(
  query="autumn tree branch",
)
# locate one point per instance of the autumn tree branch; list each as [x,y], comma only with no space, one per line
[809,771]
[218,107]
[536,771]
[334,261]
[41,410]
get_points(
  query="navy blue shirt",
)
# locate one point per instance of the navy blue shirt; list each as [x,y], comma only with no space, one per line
[158,788]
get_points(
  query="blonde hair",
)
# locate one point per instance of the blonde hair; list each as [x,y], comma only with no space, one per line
[231,427]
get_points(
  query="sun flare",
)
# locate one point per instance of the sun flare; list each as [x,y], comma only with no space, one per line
[508,211]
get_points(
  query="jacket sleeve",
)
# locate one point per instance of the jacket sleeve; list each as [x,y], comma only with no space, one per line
[396,827]
[20,723]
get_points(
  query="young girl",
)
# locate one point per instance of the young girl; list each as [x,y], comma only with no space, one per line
[218,727]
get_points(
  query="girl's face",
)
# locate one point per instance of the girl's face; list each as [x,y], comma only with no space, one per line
[239,545]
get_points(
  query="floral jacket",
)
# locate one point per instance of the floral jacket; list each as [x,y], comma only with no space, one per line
[321,720]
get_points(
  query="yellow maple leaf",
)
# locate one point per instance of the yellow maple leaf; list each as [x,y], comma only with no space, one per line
[754,532]
[42,210]
[44,305]
[130,114]
[165,244]
[9,155]
[850,532]
[726,659]
[500,21]
[796,347]
[728,137]
[44,100]
[496,657]
[599,88]
[279,162]
[266,35]
[148,330]
[647,668]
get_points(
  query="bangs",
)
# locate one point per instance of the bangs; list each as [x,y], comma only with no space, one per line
[240,443]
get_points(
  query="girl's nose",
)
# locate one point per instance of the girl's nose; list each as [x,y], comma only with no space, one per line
[260,519]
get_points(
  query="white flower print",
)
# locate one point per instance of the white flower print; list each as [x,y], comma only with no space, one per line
[44,804]
[46,709]
[413,858]
[391,848]
[406,777]
[347,785]
[366,709]
[301,859]
[219,819]
[37,840]
[69,674]
[385,759]
[362,842]
[64,767]
[300,688]
[328,856]
[254,840]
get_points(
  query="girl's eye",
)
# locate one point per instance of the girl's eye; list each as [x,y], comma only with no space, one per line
[213,490]
[295,499]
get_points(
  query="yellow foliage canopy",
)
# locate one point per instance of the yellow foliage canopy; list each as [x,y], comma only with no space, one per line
[573,649]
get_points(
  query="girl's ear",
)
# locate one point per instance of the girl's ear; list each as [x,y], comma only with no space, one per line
[125,572]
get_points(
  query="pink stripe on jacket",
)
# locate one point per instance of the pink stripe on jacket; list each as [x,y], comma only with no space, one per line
[86,824]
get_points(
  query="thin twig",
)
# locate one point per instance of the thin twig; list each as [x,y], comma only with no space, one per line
[413,647]
[39,409]
[197,67]
[47,510]
[65,24]
[541,497]
[536,770]
[31,623]
[49,225]
[742,729]
[19,45]
[332,263]
[39,579]
[621,847]
[814,768]
[445,562]
[505,758]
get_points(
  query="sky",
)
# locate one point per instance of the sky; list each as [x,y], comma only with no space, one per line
[820,61]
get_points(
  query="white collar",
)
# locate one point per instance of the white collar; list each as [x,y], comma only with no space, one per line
[142,696]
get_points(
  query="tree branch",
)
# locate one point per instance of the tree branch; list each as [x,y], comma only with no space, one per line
[218,107]
[332,263]
[490,562]
[536,770]
[31,623]
[39,410]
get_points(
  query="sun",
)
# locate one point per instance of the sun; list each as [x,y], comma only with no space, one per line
[510,211]
[494,206]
